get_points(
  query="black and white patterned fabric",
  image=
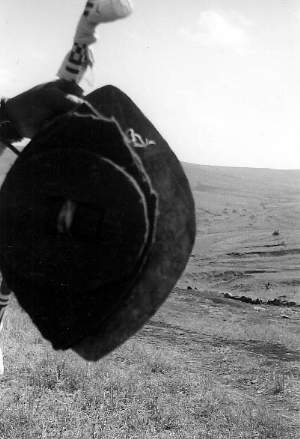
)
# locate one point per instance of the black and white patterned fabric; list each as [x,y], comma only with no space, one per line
[4,300]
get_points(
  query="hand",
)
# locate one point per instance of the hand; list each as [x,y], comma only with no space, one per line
[30,110]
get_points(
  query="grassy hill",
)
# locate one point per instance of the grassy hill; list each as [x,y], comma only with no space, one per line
[204,367]
[238,211]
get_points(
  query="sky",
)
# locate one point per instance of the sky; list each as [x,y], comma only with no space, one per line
[219,78]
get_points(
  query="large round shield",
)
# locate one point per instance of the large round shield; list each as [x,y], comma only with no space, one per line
[95,227]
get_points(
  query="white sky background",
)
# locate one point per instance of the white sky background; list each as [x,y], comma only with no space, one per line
[219,78]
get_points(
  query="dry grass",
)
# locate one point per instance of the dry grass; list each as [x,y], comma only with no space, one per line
[204,367]
[145,390]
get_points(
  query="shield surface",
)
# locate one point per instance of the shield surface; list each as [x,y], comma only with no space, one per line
[95,230]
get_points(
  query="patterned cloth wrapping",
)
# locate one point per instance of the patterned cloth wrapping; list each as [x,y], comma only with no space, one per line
[4,299]
[78,63]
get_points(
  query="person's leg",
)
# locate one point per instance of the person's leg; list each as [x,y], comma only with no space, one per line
[4,299]
[80,59]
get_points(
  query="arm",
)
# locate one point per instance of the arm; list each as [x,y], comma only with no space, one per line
[25,114]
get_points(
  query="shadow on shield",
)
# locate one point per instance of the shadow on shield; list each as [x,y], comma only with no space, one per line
[97,223]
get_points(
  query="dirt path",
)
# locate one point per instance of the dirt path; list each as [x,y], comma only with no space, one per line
[206,329]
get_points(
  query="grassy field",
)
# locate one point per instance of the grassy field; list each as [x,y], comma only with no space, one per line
[204,366]
[248,239]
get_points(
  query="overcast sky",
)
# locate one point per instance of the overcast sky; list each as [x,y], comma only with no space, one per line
[219,78]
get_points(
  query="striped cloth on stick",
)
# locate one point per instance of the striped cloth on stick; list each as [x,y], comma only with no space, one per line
[4,299]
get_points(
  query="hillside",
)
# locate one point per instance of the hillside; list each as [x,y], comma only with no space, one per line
[248,230]
[204,366]
[238,209]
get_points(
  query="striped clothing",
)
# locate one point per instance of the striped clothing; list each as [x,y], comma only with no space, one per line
[78,64]
[4,299]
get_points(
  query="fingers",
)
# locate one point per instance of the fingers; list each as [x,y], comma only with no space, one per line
[30,110]
[59,102]
[69,87]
